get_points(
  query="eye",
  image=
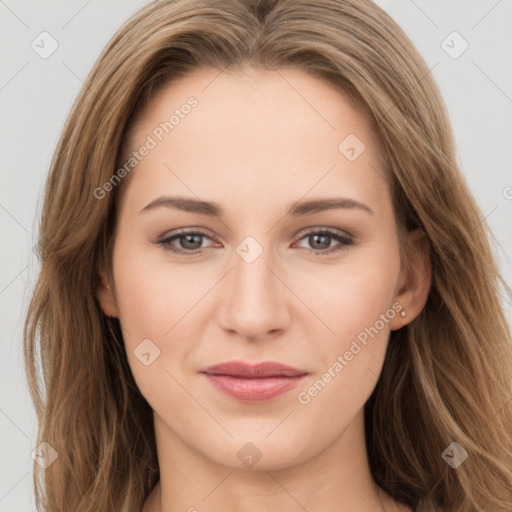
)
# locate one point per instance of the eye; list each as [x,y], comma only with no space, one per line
[190,242]
[321,241]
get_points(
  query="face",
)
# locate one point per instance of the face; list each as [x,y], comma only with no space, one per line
[256,277]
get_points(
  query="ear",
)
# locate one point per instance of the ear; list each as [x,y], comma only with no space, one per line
[106,296]
[414,280]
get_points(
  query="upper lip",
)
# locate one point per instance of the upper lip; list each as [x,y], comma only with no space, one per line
[259,370]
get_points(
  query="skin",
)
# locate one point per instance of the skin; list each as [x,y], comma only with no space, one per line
[257,142]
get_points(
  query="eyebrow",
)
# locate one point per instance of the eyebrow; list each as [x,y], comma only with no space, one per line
[213,209]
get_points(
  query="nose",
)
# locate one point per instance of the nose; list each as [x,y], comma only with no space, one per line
[255,305]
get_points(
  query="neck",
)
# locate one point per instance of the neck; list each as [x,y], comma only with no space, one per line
[339,478]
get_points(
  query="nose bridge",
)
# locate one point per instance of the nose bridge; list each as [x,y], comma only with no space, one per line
[251,273]
[254,301]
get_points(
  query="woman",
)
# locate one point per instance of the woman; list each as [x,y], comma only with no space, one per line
[199,349]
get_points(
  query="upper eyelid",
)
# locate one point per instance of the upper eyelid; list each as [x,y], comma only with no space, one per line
[205,232]
[311,230]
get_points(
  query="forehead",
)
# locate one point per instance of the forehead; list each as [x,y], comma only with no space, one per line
[256,98]
[252,131]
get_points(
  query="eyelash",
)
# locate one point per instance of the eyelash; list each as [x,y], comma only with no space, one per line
[346,240]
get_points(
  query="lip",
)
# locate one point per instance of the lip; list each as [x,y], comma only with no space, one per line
[253,382]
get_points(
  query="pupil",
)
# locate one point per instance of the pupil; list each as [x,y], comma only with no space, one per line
[316,237]
[189,239]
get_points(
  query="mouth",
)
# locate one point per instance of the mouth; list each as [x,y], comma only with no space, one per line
[253,383]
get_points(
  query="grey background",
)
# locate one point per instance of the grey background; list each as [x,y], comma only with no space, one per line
[36,95]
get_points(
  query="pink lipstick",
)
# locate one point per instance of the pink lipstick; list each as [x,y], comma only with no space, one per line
[253,382]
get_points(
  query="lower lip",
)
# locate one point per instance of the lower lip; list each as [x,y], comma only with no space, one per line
[253,390]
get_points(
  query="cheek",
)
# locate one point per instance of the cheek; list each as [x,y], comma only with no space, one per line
[357,305]
[155,303]
[354,294]
[148,301]
[148,309]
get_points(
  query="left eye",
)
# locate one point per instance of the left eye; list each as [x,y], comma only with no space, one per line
[316,238]
[191,239]
[191,242]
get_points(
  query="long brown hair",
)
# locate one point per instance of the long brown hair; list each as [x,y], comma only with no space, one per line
[447,375]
